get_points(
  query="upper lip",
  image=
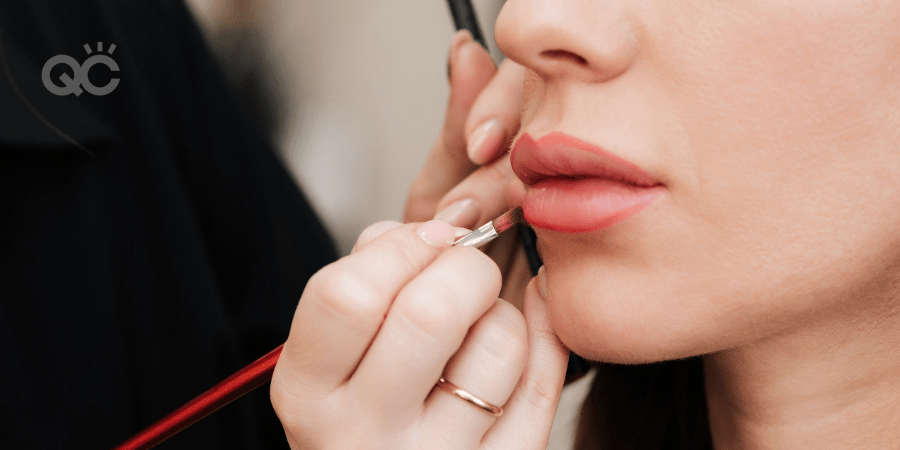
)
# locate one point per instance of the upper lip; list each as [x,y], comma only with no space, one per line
[557,155]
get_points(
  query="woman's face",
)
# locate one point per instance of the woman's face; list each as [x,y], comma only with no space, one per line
[771,130]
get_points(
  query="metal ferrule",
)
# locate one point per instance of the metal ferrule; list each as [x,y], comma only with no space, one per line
[484,234]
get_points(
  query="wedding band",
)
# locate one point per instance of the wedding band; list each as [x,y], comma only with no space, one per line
[493,410]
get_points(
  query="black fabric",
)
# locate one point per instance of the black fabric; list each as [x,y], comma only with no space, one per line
[161,251]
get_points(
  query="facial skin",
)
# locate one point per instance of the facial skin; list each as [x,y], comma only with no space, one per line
[774,125]
[775,251]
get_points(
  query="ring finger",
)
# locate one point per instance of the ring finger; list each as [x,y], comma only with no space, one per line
[488,366]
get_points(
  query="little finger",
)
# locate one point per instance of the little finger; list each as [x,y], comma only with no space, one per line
[530,410]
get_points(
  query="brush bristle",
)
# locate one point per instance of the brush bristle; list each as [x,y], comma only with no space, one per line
[508,220]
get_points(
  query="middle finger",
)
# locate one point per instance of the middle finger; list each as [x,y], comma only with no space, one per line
[423,329]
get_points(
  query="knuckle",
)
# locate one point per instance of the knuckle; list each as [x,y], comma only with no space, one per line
[408,253]
[503,334]
[345,293]
[373,231]
[378,228]
[277,401]
[481,266]
[540,390]
[471,273]
[434,313]
[288,410]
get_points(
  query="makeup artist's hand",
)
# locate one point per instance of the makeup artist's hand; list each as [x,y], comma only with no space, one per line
[467,175]
[374,331]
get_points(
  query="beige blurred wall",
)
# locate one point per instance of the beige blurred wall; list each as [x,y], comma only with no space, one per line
[364,89]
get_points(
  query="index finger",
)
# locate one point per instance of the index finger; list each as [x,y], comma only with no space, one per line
[345,303]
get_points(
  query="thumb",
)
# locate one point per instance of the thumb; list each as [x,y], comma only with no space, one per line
[530,410]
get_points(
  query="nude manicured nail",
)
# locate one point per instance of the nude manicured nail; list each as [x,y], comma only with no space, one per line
[542,282]
[437,233]
[485,140]
[461,213]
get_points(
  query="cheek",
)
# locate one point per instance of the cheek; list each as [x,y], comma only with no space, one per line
[532,93]
[790,110]
[784,85]
[794,123]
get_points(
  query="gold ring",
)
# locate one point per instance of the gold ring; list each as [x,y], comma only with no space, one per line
[493,410]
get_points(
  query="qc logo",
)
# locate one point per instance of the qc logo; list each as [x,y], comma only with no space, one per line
[75,85]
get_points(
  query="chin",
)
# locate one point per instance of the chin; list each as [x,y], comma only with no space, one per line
[616,341]
[620,313]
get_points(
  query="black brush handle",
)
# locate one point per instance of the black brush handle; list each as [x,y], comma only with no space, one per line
[464,18]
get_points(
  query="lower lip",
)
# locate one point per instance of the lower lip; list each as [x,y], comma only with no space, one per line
[582,205]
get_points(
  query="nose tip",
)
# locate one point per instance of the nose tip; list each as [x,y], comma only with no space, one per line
[587,40]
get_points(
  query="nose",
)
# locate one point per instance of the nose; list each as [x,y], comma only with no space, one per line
[585,40]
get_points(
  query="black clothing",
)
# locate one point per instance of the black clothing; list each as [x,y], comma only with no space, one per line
[162,252]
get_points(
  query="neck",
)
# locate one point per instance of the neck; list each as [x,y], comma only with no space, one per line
[832,384]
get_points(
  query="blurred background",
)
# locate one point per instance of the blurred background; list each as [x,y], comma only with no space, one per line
[352,93]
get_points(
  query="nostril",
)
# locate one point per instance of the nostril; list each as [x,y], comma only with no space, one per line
[563,54]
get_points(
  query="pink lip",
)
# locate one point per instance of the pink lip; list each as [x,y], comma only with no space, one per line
[575,187]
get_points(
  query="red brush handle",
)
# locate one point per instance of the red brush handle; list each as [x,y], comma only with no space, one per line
[232,388]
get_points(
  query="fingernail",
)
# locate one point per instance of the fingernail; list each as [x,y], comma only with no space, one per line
[460,38]
[542,282]
[437,233]
[485,140]
[461,213]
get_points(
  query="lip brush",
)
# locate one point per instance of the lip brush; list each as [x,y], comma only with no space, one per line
[260,371]
[489,231]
